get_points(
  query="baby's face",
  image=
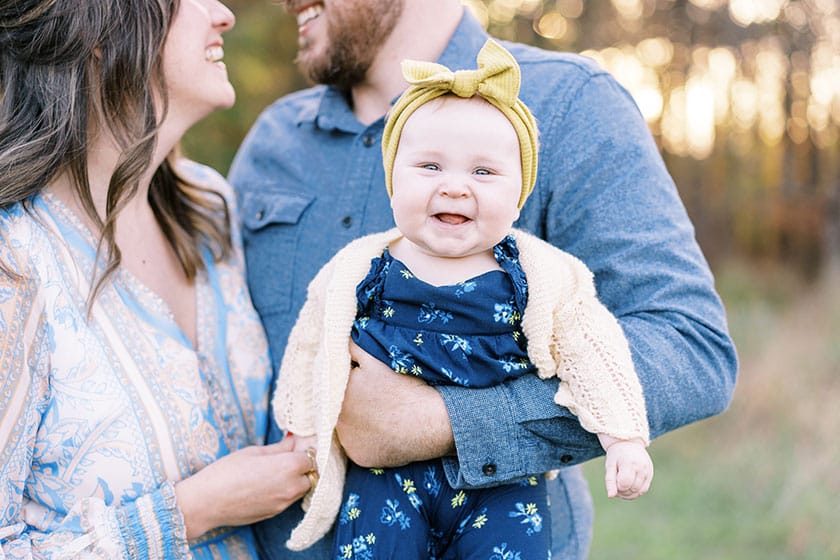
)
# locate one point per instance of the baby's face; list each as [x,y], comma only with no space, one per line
[457,177]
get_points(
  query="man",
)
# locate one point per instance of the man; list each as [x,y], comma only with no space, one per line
[310,179]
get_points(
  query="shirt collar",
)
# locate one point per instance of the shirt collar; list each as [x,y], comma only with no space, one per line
[309,112]
[328,109]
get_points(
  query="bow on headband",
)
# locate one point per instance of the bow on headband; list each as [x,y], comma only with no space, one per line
[496,80]
[497,76]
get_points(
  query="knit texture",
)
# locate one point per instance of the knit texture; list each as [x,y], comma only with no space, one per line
[570,335]
[496,80]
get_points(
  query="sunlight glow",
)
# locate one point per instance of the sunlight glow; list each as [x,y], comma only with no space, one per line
[551,25]
[759,89]
[722,69]
[655,51]
[673,123]
[708,4]
[501,11]
[746,12]
[650,102]
[700,117]
[479,10]
[570,8]
[629,9]
[744,96]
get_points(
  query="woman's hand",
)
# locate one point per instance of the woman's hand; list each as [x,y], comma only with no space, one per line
[248,485]
[303,443]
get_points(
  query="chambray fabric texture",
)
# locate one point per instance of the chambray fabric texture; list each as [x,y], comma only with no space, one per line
[99,417]
[309,179]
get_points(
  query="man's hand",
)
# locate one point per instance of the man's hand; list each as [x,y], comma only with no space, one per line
[388,419]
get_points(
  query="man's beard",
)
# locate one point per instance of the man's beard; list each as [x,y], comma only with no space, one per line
[355,34]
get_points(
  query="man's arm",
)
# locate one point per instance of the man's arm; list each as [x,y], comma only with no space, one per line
[404,420]
[379,427]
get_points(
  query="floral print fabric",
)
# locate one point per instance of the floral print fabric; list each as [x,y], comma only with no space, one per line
[100,414]
[411,512]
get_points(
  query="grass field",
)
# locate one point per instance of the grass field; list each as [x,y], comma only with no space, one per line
[761,481]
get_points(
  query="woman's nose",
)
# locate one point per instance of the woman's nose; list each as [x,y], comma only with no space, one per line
[223,17]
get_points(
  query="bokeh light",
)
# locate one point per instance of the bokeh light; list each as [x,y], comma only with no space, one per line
[760,83]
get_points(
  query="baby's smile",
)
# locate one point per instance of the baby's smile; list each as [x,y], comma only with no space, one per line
[452,219]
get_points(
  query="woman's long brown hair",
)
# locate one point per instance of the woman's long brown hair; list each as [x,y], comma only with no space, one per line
[69,67]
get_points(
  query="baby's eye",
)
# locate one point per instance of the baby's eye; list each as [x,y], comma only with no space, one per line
[483,171]
[431,166]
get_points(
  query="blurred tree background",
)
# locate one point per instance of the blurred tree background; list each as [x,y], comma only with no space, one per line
[743,98]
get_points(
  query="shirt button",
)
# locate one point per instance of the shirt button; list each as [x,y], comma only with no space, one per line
[489,469]
[368,140]
[260,214]
[347,221]
[565,459]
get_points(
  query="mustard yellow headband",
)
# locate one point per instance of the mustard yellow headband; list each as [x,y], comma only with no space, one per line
[496,80]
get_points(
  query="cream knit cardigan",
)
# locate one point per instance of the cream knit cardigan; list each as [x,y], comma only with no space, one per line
[570,334]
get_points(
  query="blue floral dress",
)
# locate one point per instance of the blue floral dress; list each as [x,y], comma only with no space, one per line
[465,334]
[102,410]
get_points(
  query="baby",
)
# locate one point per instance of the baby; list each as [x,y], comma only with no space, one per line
[455,295]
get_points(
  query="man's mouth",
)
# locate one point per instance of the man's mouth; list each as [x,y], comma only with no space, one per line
[308,13]
[452,219]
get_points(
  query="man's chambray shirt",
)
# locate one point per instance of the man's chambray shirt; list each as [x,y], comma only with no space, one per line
[309,179]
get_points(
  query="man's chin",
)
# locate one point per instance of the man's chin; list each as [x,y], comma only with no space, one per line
[308,63]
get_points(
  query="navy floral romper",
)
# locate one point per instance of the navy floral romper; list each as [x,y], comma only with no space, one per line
[465,334]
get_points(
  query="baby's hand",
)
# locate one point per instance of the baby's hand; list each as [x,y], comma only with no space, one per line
[629,469]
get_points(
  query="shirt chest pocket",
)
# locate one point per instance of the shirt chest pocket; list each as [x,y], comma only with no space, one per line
[270,234]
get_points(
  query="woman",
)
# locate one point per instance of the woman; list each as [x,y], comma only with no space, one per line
[133,370]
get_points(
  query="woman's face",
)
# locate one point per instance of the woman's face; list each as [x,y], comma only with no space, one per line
[196,77]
